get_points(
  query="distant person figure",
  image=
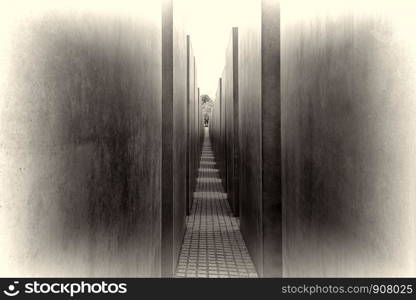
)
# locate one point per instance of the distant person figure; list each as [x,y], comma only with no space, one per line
[206,120]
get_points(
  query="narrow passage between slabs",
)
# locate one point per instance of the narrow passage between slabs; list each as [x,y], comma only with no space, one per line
[213,245]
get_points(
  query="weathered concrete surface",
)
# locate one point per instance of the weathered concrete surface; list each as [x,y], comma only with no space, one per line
[201,124]
[230,91]
[348,109]
[200,128]
[213,120]
[174,147]
[194,130]
[259,135]
[222,150]
[190,121]
[80,142]
[215,132]
[219,133]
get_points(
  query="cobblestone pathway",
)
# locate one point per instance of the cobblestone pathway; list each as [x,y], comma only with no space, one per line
[213,245]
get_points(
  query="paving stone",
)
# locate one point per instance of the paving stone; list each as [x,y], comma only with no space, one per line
[213,246]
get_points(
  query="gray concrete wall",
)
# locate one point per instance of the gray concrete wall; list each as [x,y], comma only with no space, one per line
[200,127]
[201,123]
[250,136]
[190,122]
[222,146]
[214,119]
[348,109]
[80,143]
[174,148]
[259,135]
[194,129]
[230,87]
[216,133]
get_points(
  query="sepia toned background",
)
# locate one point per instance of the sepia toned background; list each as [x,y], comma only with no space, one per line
[312,128]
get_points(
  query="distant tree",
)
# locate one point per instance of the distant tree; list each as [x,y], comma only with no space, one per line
[206,99]
[207,104]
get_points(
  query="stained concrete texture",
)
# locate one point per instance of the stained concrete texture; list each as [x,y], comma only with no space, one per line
[259,135]
[230,92]
[200,127]
[201,124]
[80,143]
[222,147]
[194,129]
[217,134]
[218,137]
[174,147]
[348,123]
[191,167]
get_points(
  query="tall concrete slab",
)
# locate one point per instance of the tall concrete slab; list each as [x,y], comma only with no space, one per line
[190,121]
[194,129]
[174,142]
[200,128]
[348,123]
[259,135]
[201,123]
[214,121]
[80,141]
[222,146]
[230,91]
[215,127]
